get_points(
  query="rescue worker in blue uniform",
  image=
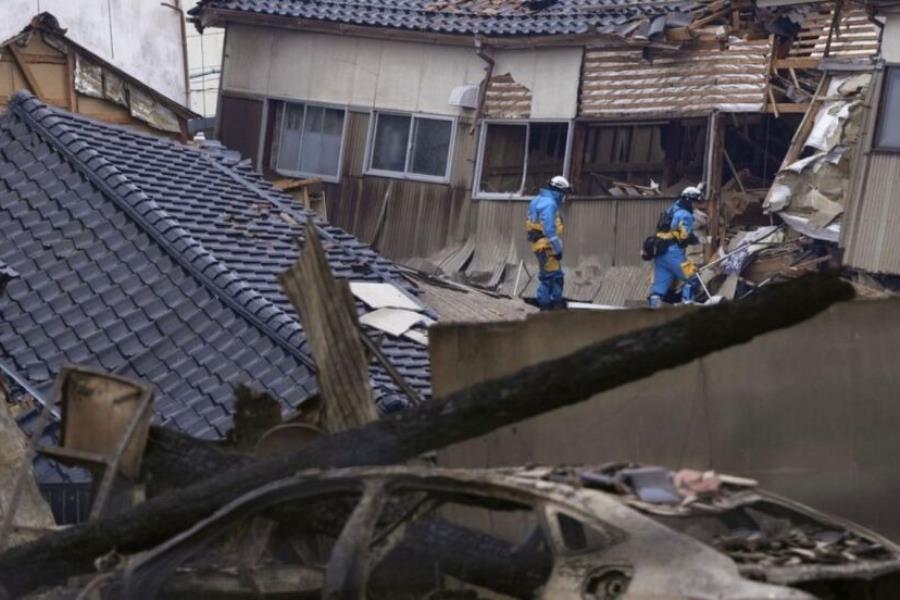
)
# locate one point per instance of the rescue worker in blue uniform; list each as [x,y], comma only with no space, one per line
[671,266]
[544,227]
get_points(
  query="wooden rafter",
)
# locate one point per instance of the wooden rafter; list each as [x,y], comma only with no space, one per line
[32,81]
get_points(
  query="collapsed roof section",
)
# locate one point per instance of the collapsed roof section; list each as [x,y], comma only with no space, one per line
[159,261]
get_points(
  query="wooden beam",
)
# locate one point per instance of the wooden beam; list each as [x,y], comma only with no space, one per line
[71,94]
[796,63]
[799,139]
[781,108]
[26,72]
[36,59]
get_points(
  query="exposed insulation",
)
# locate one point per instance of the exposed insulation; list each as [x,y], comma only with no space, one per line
[619,82]
[507,99]
[855,36]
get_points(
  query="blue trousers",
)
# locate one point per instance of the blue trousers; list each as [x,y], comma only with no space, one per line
[667,270]
[552,278]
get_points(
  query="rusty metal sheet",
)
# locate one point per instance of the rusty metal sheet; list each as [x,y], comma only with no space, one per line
[621,82]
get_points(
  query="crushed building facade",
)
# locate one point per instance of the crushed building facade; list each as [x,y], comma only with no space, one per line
[429,122]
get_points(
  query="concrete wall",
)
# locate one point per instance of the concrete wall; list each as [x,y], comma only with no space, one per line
[385,74]
[812,412]
[142,37]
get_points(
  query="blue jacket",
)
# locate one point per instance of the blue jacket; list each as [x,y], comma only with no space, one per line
[682,228]
[543,215]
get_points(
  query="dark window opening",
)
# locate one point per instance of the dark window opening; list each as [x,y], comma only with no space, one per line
[638,158]
[520,158]
[579,537]
[480,534]
[887,133]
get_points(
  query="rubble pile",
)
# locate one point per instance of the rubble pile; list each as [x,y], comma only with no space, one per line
[788,545]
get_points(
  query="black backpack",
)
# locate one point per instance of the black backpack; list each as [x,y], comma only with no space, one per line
[654,246]
[664,223]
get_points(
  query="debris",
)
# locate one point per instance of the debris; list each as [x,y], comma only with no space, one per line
[328,315]
[395,321]
[105,423]
[432,425]
[383,295]
[255,414]
[25,513]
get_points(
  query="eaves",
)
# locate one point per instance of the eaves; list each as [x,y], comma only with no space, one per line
[215,17]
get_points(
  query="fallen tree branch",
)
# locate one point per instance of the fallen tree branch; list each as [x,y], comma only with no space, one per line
[436,424]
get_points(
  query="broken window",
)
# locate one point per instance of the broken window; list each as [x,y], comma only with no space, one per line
[638,159]
[519,158]
[887,134]
[411,145]
[508,531]
[308,140]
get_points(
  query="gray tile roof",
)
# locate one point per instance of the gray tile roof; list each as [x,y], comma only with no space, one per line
[155,260]
[484,17]
[6,273]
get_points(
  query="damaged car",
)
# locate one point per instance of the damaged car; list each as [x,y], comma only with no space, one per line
[592,533]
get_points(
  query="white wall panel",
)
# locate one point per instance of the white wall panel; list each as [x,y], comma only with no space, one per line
[348,70]
[552,75]
[141,37]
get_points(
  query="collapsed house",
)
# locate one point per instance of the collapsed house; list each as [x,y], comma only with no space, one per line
[43,60]
[150,259]
[428,123]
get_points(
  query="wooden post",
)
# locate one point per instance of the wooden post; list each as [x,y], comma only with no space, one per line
[714,178]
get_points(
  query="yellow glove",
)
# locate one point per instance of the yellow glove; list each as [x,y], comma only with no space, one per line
[689,269]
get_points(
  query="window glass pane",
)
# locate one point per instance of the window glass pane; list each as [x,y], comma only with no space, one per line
[289,141]
[546,154]
[321,150]
[889,121]
[276,134]
[391,139]
[503,160]
[431,146]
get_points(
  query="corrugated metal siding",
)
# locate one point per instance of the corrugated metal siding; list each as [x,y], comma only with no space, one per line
[506,98]
[621,82]
[635,220]
[855,36]
[599,234]
[873,243]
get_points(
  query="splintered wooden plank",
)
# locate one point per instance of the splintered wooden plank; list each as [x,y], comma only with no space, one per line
[326,309]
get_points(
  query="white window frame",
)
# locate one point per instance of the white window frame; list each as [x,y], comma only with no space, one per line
[280,126]
[407,174]
[477,194]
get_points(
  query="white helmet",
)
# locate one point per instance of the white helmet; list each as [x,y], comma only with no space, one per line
[560,183]
[694,193]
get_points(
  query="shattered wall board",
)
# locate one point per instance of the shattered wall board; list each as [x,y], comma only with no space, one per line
[622,81]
